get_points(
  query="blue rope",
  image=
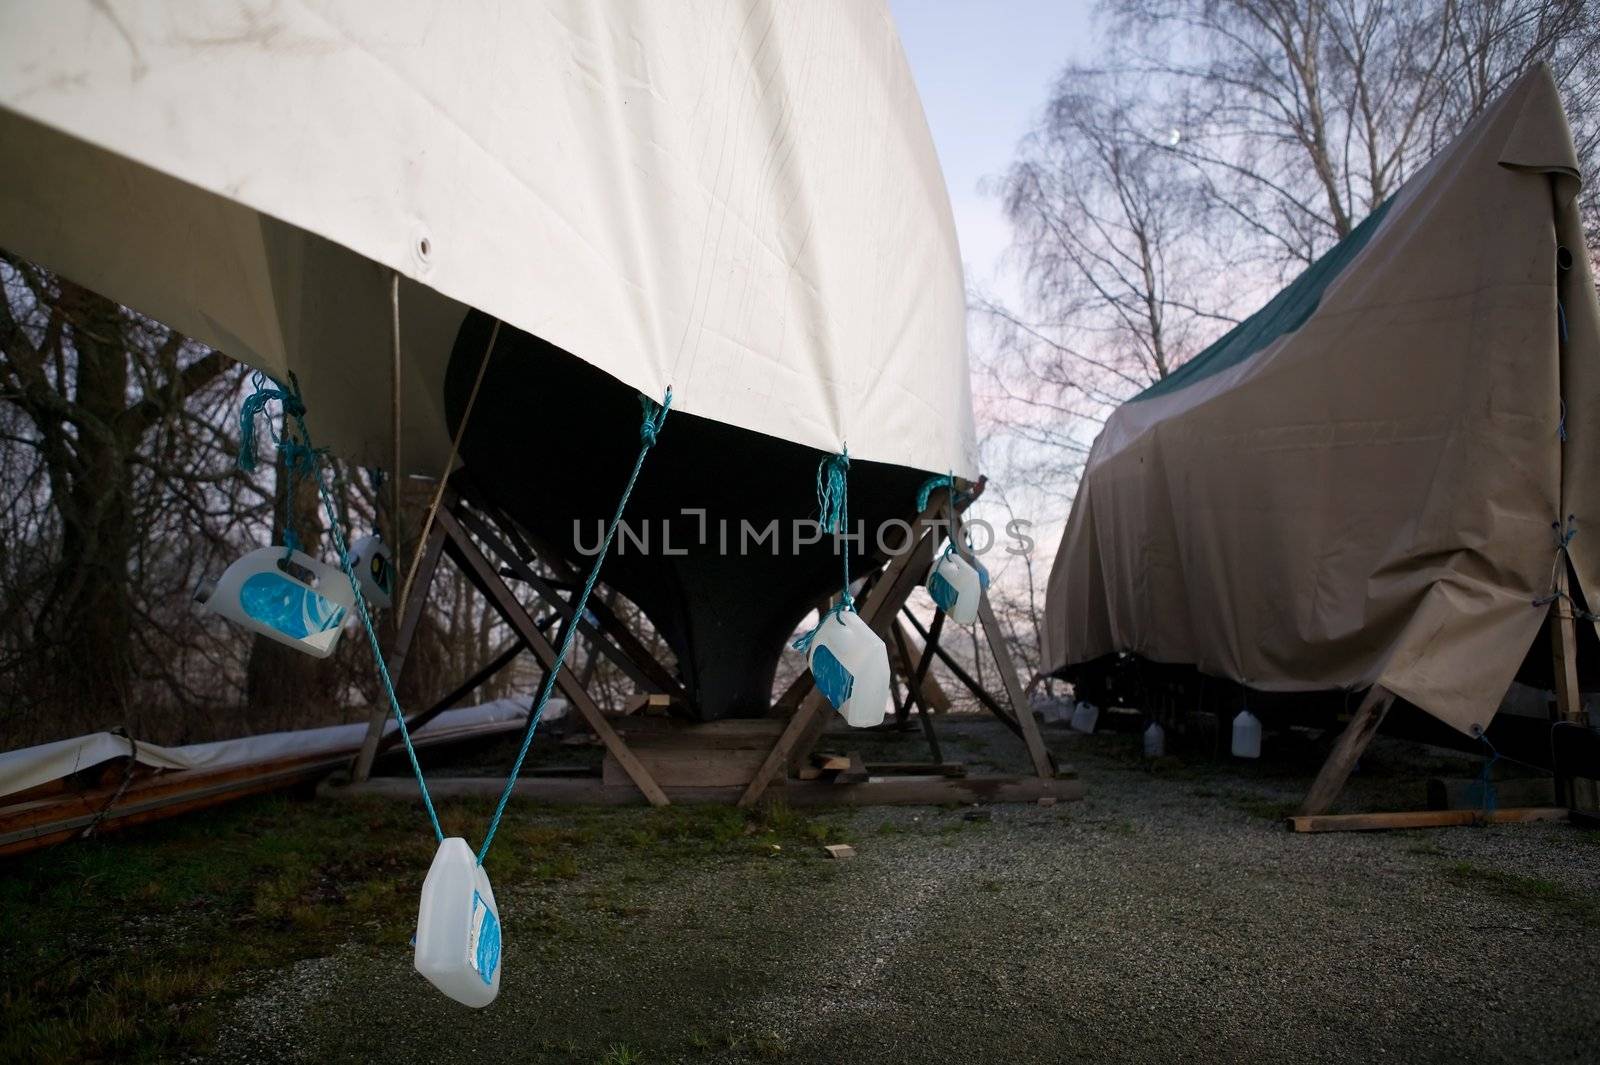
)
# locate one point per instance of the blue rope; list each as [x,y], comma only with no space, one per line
[929,486]
[1486,790]
[298,454]
[833,504]
[654,416]
[299,458]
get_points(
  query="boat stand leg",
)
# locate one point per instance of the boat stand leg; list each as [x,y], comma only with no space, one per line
[914,682]
[1037,752]
[395,659]
[879,607]
[1346,750]
[1575,792]
[482,574]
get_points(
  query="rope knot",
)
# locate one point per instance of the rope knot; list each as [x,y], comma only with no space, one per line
[654,416]
[832,492]
[803,641]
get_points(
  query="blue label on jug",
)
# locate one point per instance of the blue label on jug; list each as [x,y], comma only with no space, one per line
[483,939]
[288,606]
[832,679]
[944,593]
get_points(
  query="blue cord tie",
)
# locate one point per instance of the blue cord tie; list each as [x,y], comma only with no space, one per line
[833,505]
[301,455]
[1486,793]
[654,416]
[929,486]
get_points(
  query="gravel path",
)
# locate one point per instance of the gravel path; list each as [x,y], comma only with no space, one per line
[1168,916]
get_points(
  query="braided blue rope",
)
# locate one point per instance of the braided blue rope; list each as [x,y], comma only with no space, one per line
[930,486]
[654,416]
[833,505]
[302,453]
[299,458]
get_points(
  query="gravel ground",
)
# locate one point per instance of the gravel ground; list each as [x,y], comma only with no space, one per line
[1168,916]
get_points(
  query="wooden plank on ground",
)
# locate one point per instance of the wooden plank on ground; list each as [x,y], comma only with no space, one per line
[1423,819]
[889,791]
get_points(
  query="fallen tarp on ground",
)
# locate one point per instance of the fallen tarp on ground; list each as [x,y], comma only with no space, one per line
[1363,482]
[32,766]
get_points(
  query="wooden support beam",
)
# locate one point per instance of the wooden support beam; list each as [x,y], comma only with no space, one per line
[500,661]
[878,607]
[919,673]
[988,701]
[933,693]
[1037,751]
[483,575]
[395,656]
[1346,750]
[1576,792]
[622,647]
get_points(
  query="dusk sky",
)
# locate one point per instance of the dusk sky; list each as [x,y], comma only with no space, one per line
[983,70]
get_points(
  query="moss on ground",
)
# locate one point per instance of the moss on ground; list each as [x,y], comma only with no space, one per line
[132,947]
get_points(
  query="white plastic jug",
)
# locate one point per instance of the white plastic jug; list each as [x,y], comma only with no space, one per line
[1084,717]
[374,569]
[850,666]
[956,586]
[294,600]
[1246,735]
[1155,741]
[458,927]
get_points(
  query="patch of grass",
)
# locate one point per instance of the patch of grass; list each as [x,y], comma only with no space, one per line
[133,947]
[768,1046]
[620,1054]
[1532,891]
[1268,809]
[124,948]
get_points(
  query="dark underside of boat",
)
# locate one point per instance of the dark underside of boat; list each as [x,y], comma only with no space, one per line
[551,442]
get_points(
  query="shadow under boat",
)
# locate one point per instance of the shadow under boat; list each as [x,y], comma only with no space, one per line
[551,440]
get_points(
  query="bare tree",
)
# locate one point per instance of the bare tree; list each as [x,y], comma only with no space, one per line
[1221,147]
[97,426]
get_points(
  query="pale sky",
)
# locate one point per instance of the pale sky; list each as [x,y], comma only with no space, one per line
[984,69]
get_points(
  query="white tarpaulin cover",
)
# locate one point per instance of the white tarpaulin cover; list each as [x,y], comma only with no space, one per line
[31,766]
[737,199]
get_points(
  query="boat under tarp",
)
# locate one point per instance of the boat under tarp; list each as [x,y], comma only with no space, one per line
[1376,478]
[739,202]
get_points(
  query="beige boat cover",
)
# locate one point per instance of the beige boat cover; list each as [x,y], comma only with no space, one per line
[1361,484]
[736,198]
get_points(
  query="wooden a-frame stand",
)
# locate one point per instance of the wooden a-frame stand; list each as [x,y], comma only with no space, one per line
[468,531]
